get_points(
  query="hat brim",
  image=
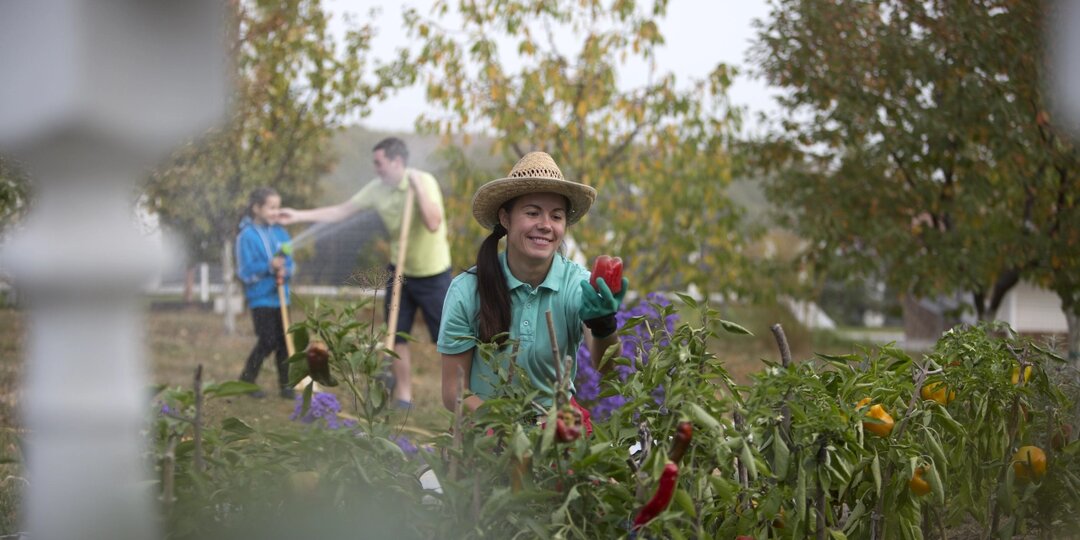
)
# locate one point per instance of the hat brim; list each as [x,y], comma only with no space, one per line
[492,195]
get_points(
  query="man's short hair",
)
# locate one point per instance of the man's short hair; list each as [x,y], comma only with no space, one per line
[393,147]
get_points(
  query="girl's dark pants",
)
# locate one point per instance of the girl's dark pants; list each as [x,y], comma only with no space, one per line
[271,336]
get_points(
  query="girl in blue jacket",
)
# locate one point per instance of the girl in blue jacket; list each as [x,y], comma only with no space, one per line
[259,264]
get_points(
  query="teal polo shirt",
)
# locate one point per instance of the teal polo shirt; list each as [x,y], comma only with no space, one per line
[560,293]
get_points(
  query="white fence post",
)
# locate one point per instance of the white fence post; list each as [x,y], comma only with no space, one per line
[204,282]
[93,93]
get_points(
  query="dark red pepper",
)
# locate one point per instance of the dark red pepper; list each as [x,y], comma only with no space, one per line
[318,361]
[660,500]
[684,432]
[610,269]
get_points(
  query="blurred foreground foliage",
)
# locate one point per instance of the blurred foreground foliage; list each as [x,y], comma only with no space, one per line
[14,192]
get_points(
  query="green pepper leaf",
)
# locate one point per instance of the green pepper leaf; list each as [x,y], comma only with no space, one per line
[230,388]
[733,328]
[685,502]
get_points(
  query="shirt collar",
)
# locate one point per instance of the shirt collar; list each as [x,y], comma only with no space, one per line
[551,281]
[400,186]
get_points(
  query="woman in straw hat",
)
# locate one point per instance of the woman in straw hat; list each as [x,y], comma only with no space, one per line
[509,293]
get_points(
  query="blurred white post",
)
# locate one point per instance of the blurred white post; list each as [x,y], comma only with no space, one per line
[93,93]
[1064,56]
[204,282]
[1064,83]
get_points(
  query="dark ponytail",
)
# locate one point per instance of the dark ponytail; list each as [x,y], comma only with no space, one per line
[494,316]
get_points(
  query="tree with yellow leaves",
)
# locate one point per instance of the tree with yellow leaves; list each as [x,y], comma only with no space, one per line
[657,152]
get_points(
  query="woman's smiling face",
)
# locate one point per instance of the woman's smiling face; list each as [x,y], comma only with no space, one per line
[535,226]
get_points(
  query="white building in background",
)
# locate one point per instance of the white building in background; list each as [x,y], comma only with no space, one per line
[1030,309]
[809,314]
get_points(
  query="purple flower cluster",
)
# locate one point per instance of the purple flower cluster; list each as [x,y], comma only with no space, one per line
[405,445]
[635,346]
[323,406]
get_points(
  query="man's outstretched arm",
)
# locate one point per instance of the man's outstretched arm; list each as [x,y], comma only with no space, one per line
[337,212]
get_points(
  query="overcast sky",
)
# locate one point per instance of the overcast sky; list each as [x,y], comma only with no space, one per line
[698,34]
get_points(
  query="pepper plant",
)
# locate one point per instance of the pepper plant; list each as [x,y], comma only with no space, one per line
[874,444]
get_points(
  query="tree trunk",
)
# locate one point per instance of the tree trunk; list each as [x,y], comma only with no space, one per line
[189,284]
[229,286]
[1072,319]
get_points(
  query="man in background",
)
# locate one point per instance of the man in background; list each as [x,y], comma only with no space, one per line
[426,271]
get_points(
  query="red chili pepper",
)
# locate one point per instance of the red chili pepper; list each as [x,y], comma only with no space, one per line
[660,500]
[684,432]
[609,268]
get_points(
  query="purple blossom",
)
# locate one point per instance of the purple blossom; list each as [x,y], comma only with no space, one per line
[166,410]
[635,346]
[406,445]
[323,406]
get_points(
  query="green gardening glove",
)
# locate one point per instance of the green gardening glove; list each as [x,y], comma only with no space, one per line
[598,307]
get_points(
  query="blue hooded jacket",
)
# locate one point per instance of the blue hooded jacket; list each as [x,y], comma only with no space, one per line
[256,246]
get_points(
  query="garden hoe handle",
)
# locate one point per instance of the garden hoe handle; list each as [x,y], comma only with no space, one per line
[290,348]
[403,243]
[285,316]
[279,277]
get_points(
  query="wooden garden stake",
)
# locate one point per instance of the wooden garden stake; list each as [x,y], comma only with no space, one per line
[556,357]
[782,343]
[200,466]
[168,474]
[819,502]
[744,476]
[513,361]
[457,424]
[785,360]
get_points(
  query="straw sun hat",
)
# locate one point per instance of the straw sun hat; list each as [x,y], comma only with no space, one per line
[536,172]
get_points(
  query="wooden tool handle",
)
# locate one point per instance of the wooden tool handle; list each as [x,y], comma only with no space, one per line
[399,267]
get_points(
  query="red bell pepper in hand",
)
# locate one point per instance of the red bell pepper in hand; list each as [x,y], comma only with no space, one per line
[660,499]
[567,426]
[683,433]
[610,269]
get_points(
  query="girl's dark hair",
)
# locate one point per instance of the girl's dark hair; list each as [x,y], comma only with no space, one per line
[494,316]
[258,198]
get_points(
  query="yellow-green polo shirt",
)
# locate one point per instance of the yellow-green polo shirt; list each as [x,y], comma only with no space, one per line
[560,292]
[428,253]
